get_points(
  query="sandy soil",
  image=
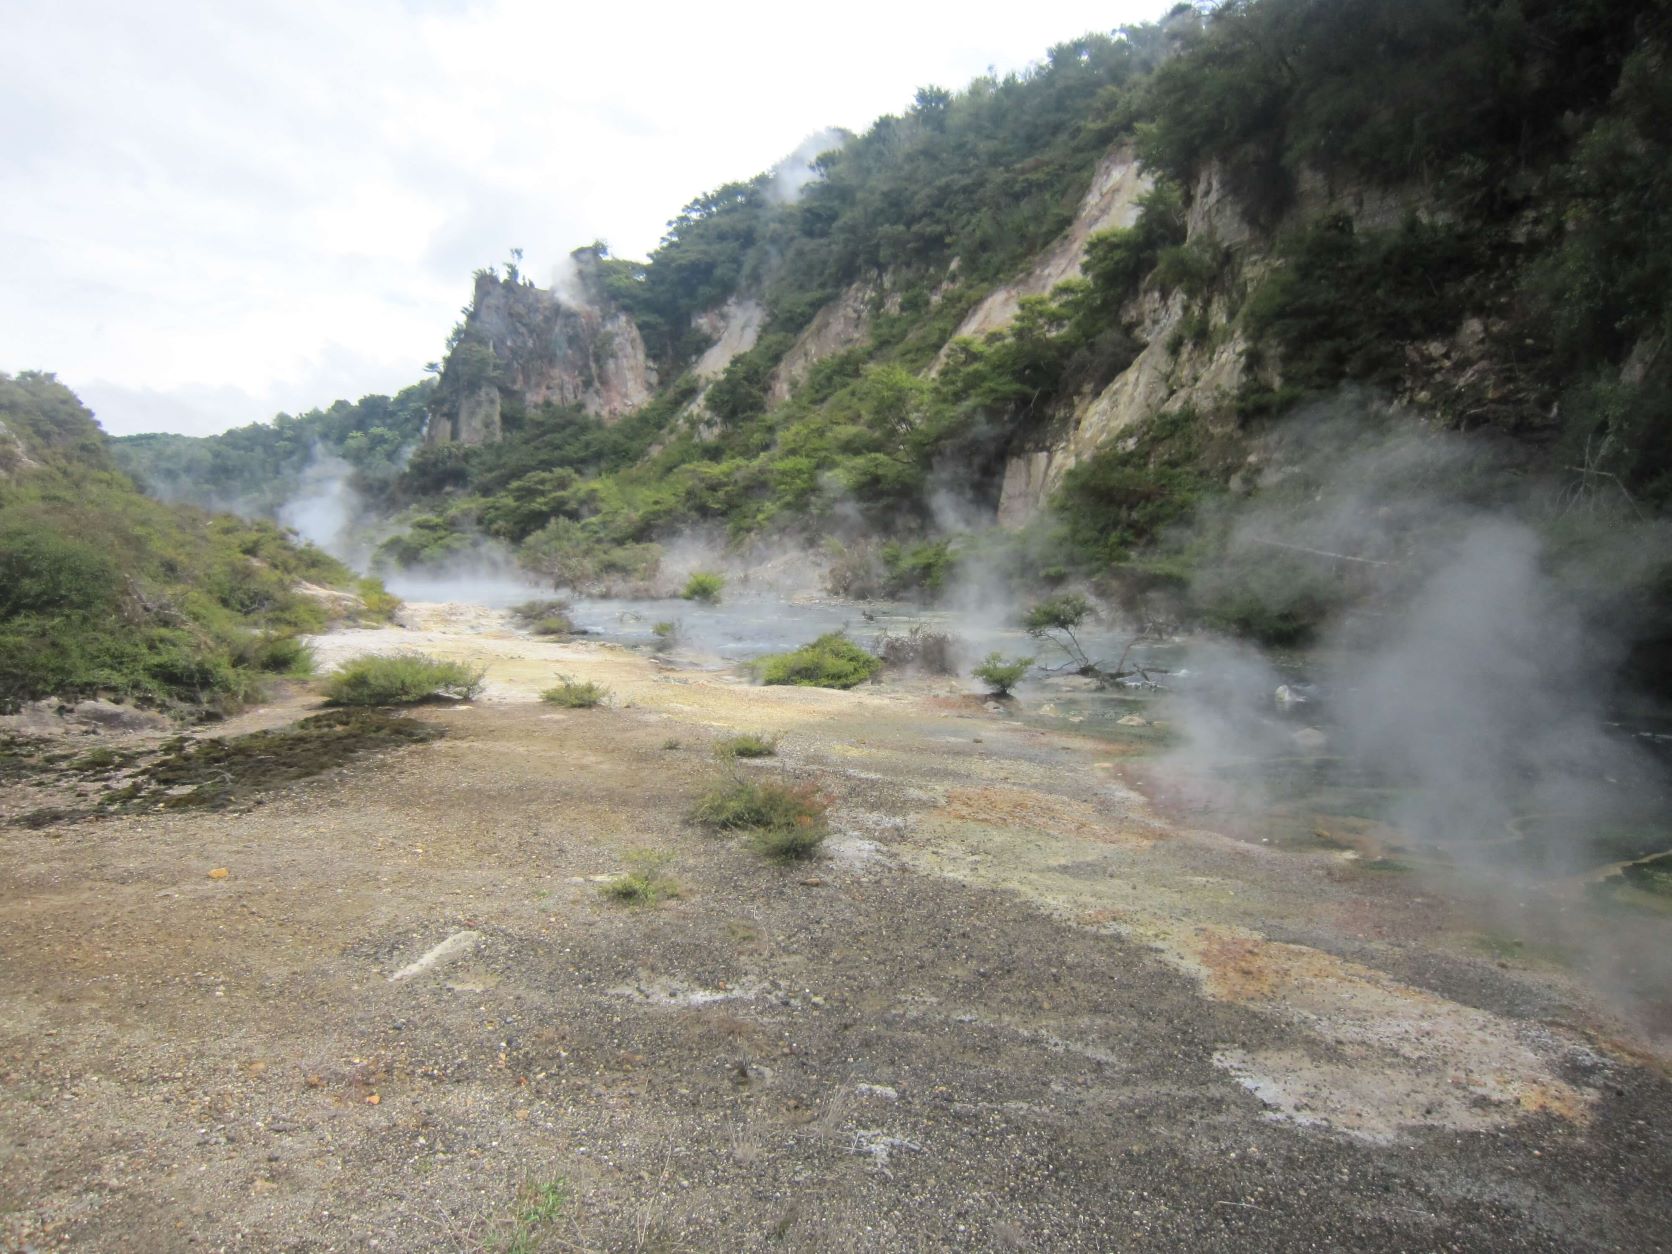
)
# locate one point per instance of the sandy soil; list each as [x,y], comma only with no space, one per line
[1010,1009]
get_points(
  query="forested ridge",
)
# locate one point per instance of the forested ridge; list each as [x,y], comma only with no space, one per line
[1515,281]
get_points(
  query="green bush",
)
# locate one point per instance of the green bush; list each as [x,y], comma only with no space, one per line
[380,604]
[831,661]
[916,569]
[402,679]
[284,655]
[999,675]
[1063,612]
[747,745]
[42,572]
[704,586]
[575,694]
[783,821]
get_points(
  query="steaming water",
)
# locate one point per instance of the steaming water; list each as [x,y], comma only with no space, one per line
[1258,767]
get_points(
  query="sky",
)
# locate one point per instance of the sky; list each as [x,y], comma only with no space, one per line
[211,212]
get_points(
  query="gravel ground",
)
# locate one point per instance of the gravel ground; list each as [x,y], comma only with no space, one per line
[1009,1009]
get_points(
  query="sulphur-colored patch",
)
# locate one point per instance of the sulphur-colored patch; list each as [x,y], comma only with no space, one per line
[1367,1055]
[1395,1056]
[1040,812]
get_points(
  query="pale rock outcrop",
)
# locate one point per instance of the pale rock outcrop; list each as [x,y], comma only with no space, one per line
[1163,378]
[734,327]
[13,456]
[840,325]
[1111,201]
[569,349]
[1166,376]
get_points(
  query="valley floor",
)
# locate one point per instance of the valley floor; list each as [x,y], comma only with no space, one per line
[1010,1009]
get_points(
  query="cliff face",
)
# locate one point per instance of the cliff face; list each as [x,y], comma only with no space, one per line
[1195,354]
[533,345]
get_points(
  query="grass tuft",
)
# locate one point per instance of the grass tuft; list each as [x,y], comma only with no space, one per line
[645,882]
[747,745]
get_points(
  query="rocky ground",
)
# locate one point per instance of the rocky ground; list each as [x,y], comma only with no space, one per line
[389,1007]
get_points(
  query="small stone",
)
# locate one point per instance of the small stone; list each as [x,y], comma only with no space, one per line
[1133,720]
[219,873]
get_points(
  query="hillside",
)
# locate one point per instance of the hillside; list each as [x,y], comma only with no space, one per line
[1080,323]
[107,592]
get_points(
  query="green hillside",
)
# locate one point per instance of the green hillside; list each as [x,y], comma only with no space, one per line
[1455,211]
[104,591]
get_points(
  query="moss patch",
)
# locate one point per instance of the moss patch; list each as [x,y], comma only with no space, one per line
[217,773]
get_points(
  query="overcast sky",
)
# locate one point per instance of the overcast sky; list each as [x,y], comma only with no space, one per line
[213,211]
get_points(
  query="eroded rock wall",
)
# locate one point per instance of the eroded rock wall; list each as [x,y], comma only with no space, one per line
[534,345]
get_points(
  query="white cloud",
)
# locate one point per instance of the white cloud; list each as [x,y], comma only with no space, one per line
[207,207]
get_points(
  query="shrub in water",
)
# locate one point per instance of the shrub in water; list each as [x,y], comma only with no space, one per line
[574,695]
[831,661]
[402,679]
[544,618]
[704,586]
[920,649]
[1001,676]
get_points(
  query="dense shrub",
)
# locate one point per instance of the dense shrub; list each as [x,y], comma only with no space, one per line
[574,694]
[401,679]
[999,675]
[704,586]
[783,821]
[831,661]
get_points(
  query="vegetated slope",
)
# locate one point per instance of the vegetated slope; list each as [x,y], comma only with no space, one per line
[255,468]
[1458,205]
[106,591]
[1088,302]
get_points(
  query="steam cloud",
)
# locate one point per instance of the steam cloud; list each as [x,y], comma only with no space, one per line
[796,170]
[325,506]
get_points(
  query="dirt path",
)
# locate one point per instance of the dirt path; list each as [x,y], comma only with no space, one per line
[1010,1010]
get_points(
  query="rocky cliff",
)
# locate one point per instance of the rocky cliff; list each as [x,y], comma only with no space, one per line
[526,345]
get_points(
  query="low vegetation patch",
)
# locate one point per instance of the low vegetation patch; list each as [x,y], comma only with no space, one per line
[216,773]
[831,661]
[403,679]
[704,586]
[540,1203]
[747,745]
[645,882]
[783,821]
[574,694]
